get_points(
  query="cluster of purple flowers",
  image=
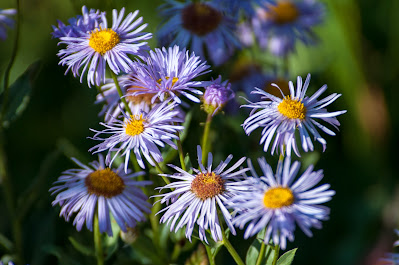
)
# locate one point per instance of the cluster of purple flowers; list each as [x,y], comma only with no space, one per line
[144,111]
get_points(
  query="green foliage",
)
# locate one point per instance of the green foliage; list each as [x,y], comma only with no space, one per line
[287,258]
[20,93]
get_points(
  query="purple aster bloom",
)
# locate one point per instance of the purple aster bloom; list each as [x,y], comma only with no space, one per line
[168,73]
[78,25]
[282,117]
[390,259]
[97,189]
[216,96]
[202,26]
[277,27]
[246,6]
[141,133]
[104,47]
[196,198]
[6,22]
[278,201]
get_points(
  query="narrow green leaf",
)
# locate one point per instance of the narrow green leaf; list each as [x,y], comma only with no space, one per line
[81,248]
[19,93]
[287,258]
[253,253]
[6,243]
[186,124]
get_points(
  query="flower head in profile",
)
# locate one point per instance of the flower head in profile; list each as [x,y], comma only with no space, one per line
[203,26]
[278,26]
[141,133]
[168,73]
[279,202]
[216,95]
[6,21]
[197,197]
[79,25]
[99,190]
[104,47]
[281,118]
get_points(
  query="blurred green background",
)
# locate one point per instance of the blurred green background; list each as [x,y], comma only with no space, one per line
[357,56]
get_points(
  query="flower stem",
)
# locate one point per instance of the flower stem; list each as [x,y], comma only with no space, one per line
[181,154]
[205,138]
[210,256]
[261,254]
[276,253]
[228,245]
[97,242]
[167,181]
[118,88]
[10,64]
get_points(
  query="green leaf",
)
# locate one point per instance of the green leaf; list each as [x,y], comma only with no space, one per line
[81,248]
[287,258]
[63,258]
[6,243]
[19,93]
[254,249]
[186,124]
[111,242]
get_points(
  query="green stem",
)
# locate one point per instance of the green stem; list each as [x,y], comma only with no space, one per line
[118,88]
[176,251]
[167,181]
[155,223]
[181,154]
[228,245]
[97,242]
[210,256]
[10,64]
[261,254]
[205,138]
[276,253]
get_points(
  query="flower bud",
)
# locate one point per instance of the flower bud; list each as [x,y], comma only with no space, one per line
[216,96]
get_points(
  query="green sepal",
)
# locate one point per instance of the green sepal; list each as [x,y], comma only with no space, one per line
[287,258]
[19,93]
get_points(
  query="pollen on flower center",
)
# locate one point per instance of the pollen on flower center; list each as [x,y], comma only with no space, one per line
[200,18]
[135,125]
[292,108]
[284,12]
[279,197]
[104,182]
[103,40]
[207,185]
[174,80]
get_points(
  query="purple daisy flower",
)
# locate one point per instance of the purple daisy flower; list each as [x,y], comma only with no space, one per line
[216,95]
[168,73]
[278,26]
[97,189]
[282,117]
[141,133]
[197,198]
[6,21]
[202,26]
[78,25]
[276,202]
[104,47]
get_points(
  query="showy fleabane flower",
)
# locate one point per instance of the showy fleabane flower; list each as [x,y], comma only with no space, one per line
[202,26]
[216,96]
[281,118]
[197,198]
[104,47]
[99,190]
[278,26]
[279,202]
[6,21]
[168,73]
[140,133]
[79,25]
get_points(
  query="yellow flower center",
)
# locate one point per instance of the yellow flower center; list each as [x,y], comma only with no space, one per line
[103,40]
[284,12]
[292,108]
[200,18]
[207,185]
[135,125]
[279,197]
[174,80]
[104,182]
